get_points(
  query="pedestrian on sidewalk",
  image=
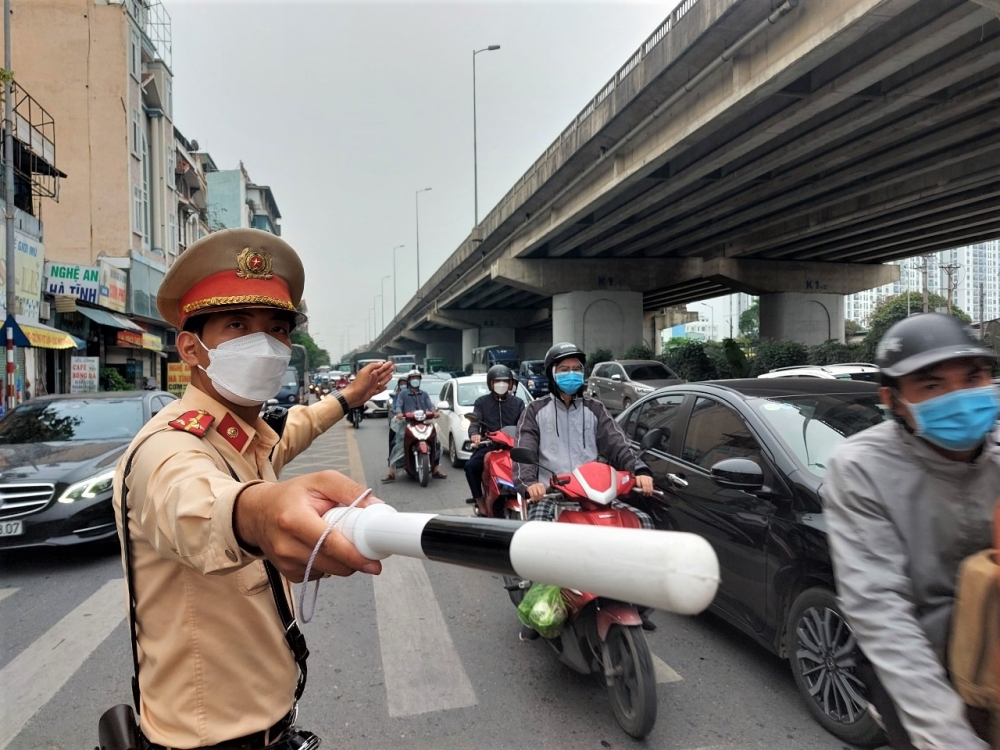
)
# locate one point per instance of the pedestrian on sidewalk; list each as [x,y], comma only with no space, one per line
[905,502]
[211,540]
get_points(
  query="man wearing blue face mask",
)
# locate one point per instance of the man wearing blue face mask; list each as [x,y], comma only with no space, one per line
[567,428]
[905,502]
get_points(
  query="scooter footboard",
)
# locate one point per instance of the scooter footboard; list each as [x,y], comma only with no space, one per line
[610,613]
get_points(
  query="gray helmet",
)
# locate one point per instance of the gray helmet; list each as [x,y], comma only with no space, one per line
[923,340]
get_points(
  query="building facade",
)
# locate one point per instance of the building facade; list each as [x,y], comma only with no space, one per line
[235,201]
[972,273]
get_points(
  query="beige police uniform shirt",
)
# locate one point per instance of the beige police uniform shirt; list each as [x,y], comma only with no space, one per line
[213,661]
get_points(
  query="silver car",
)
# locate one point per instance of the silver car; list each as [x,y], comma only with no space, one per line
[618,384]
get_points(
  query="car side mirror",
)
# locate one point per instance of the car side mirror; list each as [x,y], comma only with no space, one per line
[521,455]
[443,406]
[738,474]
[272,402]
[473,419]
[616,377]
[650,440]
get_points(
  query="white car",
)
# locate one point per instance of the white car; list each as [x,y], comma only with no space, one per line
[848,371]
[457,398]
[378,405]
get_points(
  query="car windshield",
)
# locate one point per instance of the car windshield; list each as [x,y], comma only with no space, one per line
[813,426]
[72,419]
[291,378]
[469,392]
[649,371]
[536,367]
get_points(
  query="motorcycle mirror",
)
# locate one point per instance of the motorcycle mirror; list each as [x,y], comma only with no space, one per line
[650,440]
[521,455]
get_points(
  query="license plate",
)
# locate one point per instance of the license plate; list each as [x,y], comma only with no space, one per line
[11,528]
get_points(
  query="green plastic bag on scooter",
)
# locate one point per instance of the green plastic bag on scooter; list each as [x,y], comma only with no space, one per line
[543,609]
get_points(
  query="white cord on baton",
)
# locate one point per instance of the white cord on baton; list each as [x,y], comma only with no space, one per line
[334,516]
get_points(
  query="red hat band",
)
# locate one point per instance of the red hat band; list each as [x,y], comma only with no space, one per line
[228,288]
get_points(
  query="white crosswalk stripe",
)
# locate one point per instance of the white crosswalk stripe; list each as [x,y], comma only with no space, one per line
[4,593]
[44,667]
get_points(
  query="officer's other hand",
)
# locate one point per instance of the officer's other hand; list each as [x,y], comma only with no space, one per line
[371,381]
[644,483]
[535,492]
[286,520]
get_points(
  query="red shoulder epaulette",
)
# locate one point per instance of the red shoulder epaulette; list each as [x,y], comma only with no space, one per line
[196,422]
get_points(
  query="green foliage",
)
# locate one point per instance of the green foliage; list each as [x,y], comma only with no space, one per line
[689,360]
[851,328]
[639,351]
[774,354]
[750,322]
[596,357]
[729,359]
[893,309]
[111,380]
[317,356]
[835,353]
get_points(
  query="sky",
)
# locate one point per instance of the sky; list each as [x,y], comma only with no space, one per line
[347,109]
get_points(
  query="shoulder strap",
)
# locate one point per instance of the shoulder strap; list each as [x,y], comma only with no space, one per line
[293,634]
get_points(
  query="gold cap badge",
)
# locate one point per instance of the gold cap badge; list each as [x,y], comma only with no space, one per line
[254,264]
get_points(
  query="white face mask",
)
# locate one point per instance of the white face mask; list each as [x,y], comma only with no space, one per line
[500,387]
[248,370]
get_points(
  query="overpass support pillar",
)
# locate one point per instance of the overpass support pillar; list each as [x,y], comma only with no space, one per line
[808,318]
[473,338]
[449,351]
[598,320]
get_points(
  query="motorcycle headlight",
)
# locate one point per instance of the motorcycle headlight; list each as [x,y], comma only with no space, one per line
[89,488]
[465,423]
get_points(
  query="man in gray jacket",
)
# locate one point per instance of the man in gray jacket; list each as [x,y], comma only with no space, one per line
[905,502]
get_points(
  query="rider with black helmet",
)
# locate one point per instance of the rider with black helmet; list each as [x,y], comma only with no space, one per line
[905,502]
[492,411]
[567,428]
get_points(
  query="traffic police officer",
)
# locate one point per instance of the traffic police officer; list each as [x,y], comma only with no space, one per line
[205,509]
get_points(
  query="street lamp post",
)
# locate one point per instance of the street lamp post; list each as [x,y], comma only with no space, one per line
[416,201]
[475,152]
[375,328]
[395,312]
[382,289]
[711,331]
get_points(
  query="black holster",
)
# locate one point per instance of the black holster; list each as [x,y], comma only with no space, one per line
[117,729]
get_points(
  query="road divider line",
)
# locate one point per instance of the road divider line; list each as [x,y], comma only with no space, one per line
[36,674]
[354,458]
[4,593]
[664,672]
[423,672]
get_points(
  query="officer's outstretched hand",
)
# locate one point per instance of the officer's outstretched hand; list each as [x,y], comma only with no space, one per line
[286,520]
[371,381]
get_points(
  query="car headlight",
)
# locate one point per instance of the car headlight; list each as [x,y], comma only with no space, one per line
[465,423]
[89,488]
[531,383]
[643,389]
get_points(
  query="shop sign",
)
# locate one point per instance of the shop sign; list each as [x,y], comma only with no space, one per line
[129,338]
[73,281]
[112,289]
[29,261]
[152,342]
[178,377]
[84,374]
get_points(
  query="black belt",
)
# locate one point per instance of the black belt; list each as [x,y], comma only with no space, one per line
[253,741]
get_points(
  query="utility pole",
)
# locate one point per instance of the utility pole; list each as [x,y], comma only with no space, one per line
[950,271]
[923,270]
[8,186]
[982,309]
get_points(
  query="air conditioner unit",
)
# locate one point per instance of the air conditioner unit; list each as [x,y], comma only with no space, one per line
[44,310]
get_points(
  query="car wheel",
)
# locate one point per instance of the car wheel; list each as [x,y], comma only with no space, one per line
[823,655]
[453,453]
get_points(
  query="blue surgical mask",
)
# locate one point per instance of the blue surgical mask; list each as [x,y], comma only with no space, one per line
[569,382]
[415,383]
[957,421]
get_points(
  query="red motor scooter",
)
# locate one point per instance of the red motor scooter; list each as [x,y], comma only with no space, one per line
[498,498]
[419,441]
[601,636]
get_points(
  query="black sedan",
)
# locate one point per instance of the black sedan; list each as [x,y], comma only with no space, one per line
[741,462]
[57,463]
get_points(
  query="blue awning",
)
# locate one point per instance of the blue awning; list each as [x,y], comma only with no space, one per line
[104,318]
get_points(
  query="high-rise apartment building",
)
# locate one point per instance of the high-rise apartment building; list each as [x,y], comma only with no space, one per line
[235,201]
[972,273]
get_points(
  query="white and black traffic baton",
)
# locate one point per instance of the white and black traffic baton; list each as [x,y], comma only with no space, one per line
[669,570]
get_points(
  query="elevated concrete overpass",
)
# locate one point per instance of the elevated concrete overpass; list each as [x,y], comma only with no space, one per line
[785,149]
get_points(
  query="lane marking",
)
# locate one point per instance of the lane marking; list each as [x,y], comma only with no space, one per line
[665,673]
[44,667]
[423,672]
[4,593]
[354,458]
